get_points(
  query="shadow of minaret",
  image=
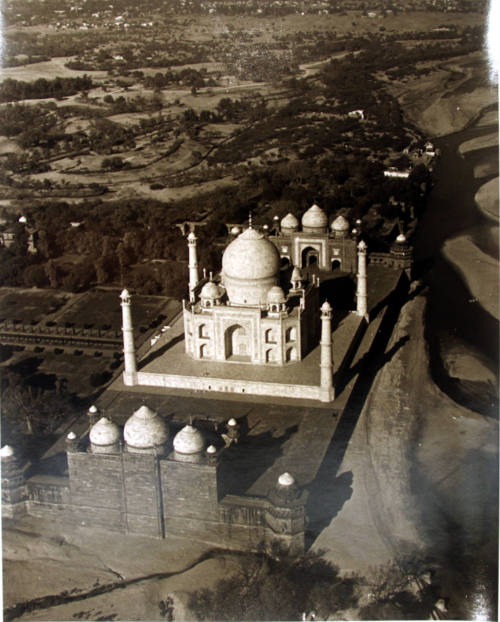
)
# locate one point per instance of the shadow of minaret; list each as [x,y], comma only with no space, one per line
[329,491]
[159,352]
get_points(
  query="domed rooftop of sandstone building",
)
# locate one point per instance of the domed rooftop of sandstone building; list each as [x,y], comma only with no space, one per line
[188,441]
[401,239]
[250,267]
[314,219]
[340,224]
[145,429]
[104,433]
[289,222]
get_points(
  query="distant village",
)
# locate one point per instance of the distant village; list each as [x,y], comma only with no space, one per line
[85,15]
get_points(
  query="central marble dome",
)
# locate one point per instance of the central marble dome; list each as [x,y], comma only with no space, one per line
[250,267]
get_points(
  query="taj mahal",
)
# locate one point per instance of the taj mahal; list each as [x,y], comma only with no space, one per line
[262,311]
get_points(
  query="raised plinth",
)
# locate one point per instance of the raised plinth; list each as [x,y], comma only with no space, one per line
[169,367]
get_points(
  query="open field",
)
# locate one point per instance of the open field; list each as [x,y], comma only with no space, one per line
[48,69]
[99,308]
[30,305]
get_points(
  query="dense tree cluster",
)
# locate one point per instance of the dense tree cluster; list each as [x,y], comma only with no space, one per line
[270,589]
[15,90]
[111,242]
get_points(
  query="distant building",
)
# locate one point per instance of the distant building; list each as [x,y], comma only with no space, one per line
[356,114]
[394,172]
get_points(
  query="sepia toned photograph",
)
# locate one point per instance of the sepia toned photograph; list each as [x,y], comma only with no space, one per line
[249,310]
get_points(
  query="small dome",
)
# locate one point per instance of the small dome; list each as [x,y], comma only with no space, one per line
[23,220]
[125,294]
[191,236]
[211,450]
[93,409]
[232,422]
[6,452]
[340,224]
[285,479]
[235,230]
[314,218]
[401,239]
[276,295]
[286,491]
[71,436]
[188,441]
[289,222]
[104,433]
[211,290]
[362,246]
[145,429]
[296,274]
[326,307]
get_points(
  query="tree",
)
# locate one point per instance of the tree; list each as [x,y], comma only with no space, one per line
[35,276]
[399,592]
[28,408]
[276,589]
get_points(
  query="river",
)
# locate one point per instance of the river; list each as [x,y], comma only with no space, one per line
[454,318]
[457,491]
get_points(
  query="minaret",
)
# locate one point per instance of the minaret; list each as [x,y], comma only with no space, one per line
[130,372]
[326,364]
[361,304]
[193,265]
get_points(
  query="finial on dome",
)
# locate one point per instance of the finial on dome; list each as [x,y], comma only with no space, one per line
[250,220]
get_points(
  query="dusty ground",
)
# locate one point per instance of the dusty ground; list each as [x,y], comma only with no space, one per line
[440,103]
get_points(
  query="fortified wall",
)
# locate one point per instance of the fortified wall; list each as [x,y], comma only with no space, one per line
[141,482]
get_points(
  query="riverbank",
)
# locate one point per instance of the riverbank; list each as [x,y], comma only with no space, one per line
[447,97]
